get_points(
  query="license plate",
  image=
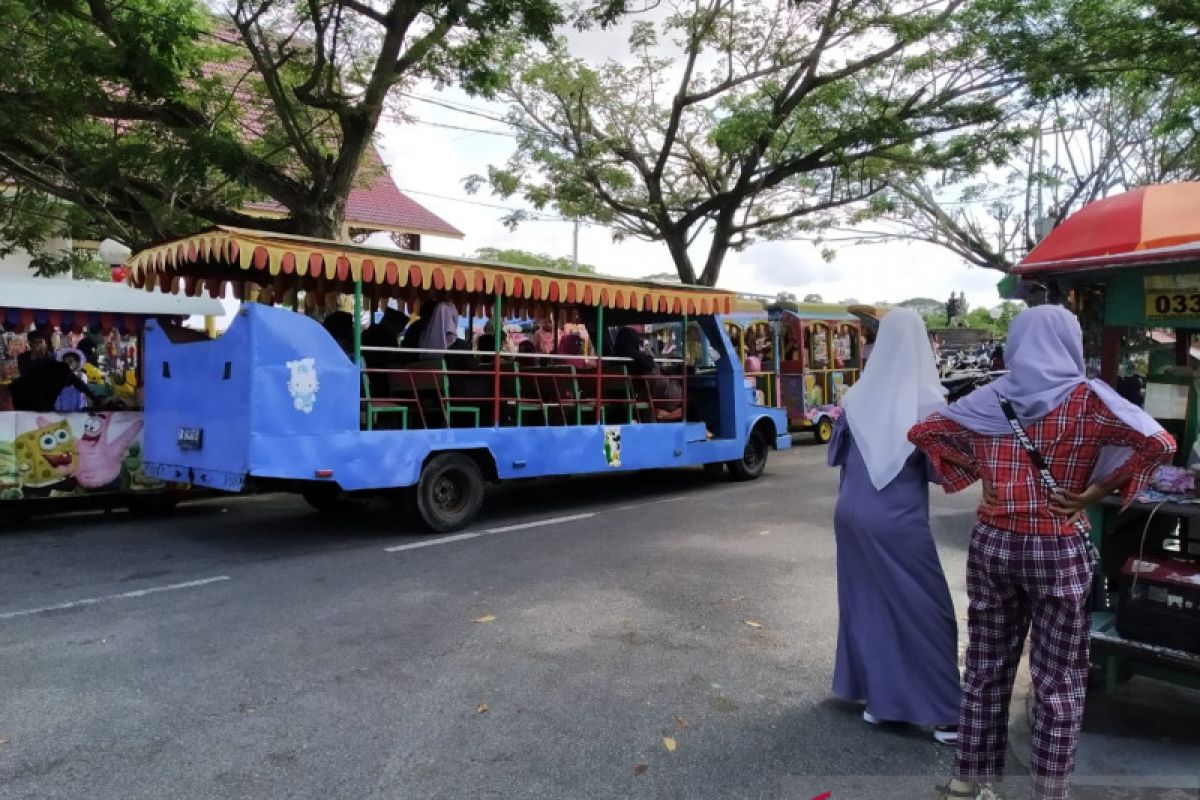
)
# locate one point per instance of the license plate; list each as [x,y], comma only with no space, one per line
[191,438]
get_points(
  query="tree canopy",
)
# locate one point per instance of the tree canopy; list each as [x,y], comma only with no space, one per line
[145,119]
[756,119]
[1112,102]
[528,259]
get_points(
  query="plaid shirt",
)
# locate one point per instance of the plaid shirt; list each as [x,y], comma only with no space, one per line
[1070,439]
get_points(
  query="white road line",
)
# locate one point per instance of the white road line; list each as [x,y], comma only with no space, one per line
[541,523]
[632,506]
[458,537]
[91,601]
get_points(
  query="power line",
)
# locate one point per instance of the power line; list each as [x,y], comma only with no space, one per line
[533,215]
[448,126]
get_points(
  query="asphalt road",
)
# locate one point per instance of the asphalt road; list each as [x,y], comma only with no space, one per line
[594,640]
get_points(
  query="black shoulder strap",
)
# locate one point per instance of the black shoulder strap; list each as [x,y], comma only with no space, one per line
[1035,456]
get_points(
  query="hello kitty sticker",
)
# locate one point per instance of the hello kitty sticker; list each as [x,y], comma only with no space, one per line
[303,384]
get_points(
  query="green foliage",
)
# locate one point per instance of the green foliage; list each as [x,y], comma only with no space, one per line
[1113,89]
[925,306]
[787,301]
[528,259]
[154,118]
[756,120]
[1074,150]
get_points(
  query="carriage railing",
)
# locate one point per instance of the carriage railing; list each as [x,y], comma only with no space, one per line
[766,383]
[444,388]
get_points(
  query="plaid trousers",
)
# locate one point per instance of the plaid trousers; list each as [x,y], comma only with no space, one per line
[1015,581]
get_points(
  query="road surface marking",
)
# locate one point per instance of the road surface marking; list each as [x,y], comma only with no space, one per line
[526,525]
[458,537]
[541,523]
[91,601]
[632,506]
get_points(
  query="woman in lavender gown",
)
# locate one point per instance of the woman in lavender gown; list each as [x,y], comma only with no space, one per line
[897,634]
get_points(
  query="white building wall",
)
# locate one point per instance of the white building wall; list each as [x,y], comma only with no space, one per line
[16,264]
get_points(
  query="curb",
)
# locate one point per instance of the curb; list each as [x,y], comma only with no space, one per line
[1128,776]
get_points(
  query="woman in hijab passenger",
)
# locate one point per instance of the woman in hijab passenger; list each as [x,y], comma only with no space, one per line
[1030,563]
[629,346]
[340,325]
[416,329]
[666,394]
[897,634]
[442,330]
[572,345]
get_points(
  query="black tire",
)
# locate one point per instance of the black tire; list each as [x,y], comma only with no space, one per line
[328,498]
[823,430]
[753,460]
[449,493]
[715,471]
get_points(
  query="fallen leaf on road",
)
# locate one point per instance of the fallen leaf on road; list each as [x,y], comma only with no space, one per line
[481,708]
[3,740]
[640,769]
[485,618]
[669,743]
[681,721]
[753,624]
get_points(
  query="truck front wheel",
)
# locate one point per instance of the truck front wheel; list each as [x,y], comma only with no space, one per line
[753,460]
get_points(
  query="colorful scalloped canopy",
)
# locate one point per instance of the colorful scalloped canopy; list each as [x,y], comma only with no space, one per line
[1151,224]
[208,261]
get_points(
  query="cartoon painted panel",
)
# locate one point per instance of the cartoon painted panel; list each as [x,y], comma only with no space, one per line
[51,455]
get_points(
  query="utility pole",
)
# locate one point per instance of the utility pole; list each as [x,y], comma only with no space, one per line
[575,247]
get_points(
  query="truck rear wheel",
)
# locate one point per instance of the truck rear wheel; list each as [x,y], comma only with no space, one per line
[753,460]
[450,492]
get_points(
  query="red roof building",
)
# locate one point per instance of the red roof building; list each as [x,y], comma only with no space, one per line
[379,205]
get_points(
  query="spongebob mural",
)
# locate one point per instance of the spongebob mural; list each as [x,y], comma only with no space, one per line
[48,455]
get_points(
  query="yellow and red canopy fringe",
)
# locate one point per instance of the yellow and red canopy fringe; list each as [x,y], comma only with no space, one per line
[208,261]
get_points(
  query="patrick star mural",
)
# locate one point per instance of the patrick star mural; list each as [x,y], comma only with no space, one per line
[48,455]
[101,456]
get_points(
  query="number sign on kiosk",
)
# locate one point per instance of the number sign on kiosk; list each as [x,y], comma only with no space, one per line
[1170,296]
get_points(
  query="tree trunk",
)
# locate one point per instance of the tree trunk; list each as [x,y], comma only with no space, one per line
[722,233]
[676,243]
[716,257]
[320,220]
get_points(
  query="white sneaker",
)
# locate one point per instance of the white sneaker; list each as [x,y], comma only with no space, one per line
[947,735]
[870,718]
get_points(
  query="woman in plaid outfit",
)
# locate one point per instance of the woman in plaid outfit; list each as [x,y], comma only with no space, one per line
[1029,566]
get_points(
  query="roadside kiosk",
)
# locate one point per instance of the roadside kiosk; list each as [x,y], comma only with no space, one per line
[1129,267]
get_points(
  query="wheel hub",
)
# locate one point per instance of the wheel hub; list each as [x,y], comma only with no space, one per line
[448,492]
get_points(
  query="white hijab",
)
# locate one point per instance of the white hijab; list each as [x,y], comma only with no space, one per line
[898,387]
